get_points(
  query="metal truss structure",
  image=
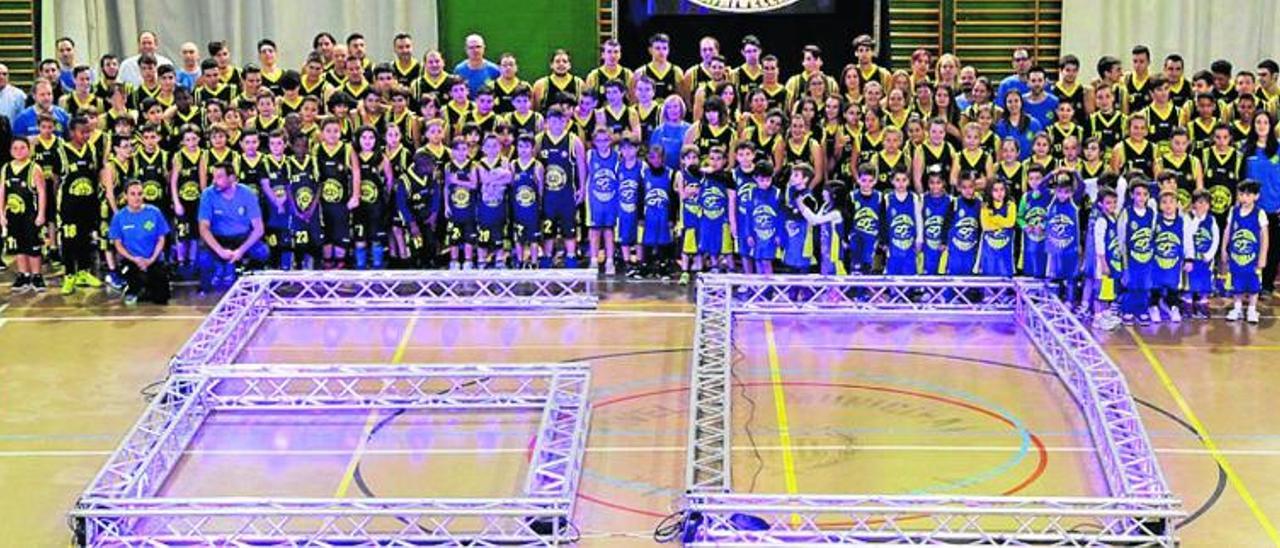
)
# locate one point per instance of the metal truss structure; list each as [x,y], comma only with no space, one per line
[1140,510]
[243,308]
[124,505]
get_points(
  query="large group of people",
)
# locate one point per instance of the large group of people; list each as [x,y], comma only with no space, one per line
[1142,193]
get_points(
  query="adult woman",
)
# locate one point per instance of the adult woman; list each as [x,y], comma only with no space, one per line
[1262,153]
[670,133]
[1016,125]
[138,232]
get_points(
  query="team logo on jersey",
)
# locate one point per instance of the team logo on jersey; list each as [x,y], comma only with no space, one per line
[903,229]
[1184,199]
[1219,198]
[604,186]
[1168,249]
[152,191]
[460,197]
[149,225]
[1203,237]
[1244,248]
[304,197]
[1113,254]
[525,196]
[933,232]
[713,202]
[331,191]
[189,191]
[1036,217]
[794,227]
[368,192]
[998,239]
[491,195]
[656,197]
[14,204]
[556,178]
[866,221]
[1061,230]
[762,217]
[966,234]
[81,187]
[1140,243]
[628,190]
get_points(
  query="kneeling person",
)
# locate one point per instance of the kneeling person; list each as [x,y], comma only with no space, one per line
[138,232]
[230,228]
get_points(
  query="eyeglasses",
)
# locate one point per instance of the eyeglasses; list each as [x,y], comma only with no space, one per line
[1021,59]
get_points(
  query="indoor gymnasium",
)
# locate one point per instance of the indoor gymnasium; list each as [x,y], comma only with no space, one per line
[629,273]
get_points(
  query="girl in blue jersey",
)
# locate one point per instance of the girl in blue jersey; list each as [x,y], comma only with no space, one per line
[764,220]
[1031,222]
[1172,249]
[718,220]
[964,229]
[1062,238]
[602,198]
[1107,256]
[1245,250]
[493,176]
[1205,238]
[999,215]
[934,214]
[905,236]
[688,185]
[744,155]
[629,200]
[827,225]
[655,237]
[866,235]
[1137,238]
[526,186]
[797,253]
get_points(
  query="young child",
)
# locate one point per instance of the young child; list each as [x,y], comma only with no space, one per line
[797,254]
[274,187]
[999,215]
[1031,222]
[1245,251]
[828,225]
[658,223]
[868,218]
[745,185]
[602,198]
[494,176]
[303,208]
[718,212]
[562,156]
[526,186]
[1173,248]
[964,229]
[1137,238]
[22,191]
[629,199]
[1106,263]
[370,218]
[1062,237]
[764,220]
[339,177]
[905,236]
[934,216]
[688,186]
[460,211]
[1205,238]
[186,185]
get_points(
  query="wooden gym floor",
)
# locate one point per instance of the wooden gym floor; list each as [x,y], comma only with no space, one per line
[821,405]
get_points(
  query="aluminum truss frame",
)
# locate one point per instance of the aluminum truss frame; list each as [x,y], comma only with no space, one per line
[122,506]
[1140,508]
[231,324]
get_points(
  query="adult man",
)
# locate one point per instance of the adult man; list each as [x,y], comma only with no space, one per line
[476,70]
[26,123]
[67,61]
[1018,80]
[148,44]
[230,228]
[49,70]
[138,233]
[406,67]
[12,99]
[189,73]
[1035,102]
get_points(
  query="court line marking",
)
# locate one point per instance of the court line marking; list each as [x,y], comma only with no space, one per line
[349,474]
[780,409]
[891,448]
[1232,476]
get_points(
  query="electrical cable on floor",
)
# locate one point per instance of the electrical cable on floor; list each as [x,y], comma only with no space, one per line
[151,390]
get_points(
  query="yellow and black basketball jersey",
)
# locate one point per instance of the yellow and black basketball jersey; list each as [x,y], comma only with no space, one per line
[777,94]
[485,122]
[747,79]
[152,169]
[1201,133]
[312,89]
[875,73]
[990,143]
[405,121]
[502,94]
[357,92]
[231,75]
[1137,91]
[567,85]
[1222,172]
[1014,175]
[599,76]
[140,92]
[271,79]
[765,144]
[1109,129]
[1092,171]
[1187,166]
[456,115]
[869,146]
[431,84]
[1140,157]
[700,75]
[439,155]
[80,170]
[121,171]
[1180,92]
[223,92]
[48,155]
[102,89]
[1073,94]
[899,121]
[288,106]
[332,163]
[974,160]
[21,194]
[1058,134]
[886,164]
[406,75]
[74,105]
[1161,120]
[616,121]
[650,119]
[714,136]
[941,156]
[526,123]
[227,156]
[187,165]
[666,80]
[1240,132]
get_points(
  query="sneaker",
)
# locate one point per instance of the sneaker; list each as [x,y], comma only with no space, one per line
[1203,313]
[1127,319]
[684,278]
[131,300]
[114,281]
[1153,314]
[1144,320]
[468,266]
[68,284]
[37,284]
[1175,315]
[1252,315]
[610,269]
[455,265]
[84,278]
[1234,314]
[21,284]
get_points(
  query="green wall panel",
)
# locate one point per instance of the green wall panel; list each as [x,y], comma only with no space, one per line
[531,29]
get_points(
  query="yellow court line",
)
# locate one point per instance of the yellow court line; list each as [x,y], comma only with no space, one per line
[1208,442]
[349,474]
[780,406]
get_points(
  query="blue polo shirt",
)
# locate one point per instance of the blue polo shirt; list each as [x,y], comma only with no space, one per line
[477,78]
[229,218]
[139,231]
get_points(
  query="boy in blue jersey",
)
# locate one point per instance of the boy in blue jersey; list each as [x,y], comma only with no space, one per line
[602,198]
[866,234]
[460,187]
[1062,237]
[1107,258]
[964,229]
[659,224]
[717,213]
[1136,227]
[1245,250]
[1206,237]
[563,159]
[744,181]
[629,202]
[1173,247]
[934,215]
[1031,221]
[904,234]
[526,186]
[764,220]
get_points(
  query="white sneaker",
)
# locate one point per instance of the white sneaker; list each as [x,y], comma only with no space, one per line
[1154,312]
[610,269]
[468,266]
[1252,315]
[1175,315]
[454,265]
[1234,314]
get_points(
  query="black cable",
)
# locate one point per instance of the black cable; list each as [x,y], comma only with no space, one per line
[738,358]
[151,390]
[671,527]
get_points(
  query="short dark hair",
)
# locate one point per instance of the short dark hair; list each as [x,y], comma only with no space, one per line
[1106,63]
[1221,66]
[1069,60]
[659,37]
[267,42]
[1269,65]
[353,37]
[1141,50]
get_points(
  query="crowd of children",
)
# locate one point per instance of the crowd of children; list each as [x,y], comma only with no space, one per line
[1130,193]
